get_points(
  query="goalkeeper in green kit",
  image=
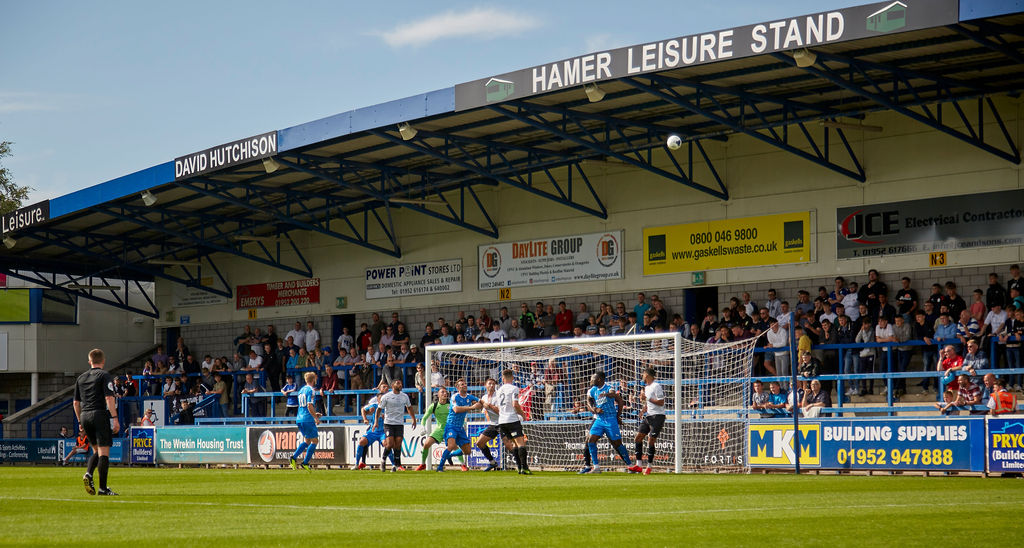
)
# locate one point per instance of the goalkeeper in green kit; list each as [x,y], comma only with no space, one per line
[439,410]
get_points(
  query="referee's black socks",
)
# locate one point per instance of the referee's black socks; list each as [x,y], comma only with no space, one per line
[94,460]
[104,464]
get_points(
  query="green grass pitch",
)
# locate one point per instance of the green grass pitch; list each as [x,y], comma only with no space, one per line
[260,508]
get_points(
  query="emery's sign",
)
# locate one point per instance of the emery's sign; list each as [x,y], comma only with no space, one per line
[289,293]
[226,155]
[697,49]
[25,217]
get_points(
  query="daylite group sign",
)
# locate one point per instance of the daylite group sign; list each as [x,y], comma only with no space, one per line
[275,445]
[697,49]
[271,294]
[562,259]
[414,279]
[935,224]
[729,243]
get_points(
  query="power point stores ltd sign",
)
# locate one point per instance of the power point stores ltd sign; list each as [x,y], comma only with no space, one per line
[561,259]
[812,30]
[989,219]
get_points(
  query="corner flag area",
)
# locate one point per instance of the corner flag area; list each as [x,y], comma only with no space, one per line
[247,507]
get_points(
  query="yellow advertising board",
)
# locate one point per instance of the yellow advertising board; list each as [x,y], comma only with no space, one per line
[729,243]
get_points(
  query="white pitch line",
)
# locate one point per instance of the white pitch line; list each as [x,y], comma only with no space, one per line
[506,513]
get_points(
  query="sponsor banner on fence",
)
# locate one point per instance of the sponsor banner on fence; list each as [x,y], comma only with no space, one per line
[729,243]
[271,294]
[1005,444]
[897,444]
[30,450]
[807,31]
[562,259]
[935,224]
[414,279]
[117,450]
[142,449]
[201,444]
[276,444]
[412,445]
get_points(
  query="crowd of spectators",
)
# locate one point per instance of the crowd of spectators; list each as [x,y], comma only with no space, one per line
[847,313]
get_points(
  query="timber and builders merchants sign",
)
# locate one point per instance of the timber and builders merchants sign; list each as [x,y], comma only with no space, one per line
[730,243]
[934,224]
[576,258]
[697,49]
[290,293]
[414,279]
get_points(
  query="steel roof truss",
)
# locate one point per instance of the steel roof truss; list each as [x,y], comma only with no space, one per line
[49,281]
[899,92]
[664,88]
[527,113]
[512,178]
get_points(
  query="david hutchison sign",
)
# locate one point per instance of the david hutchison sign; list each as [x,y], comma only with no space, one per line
[25,217]
[226,155]
[698,49]
[934,224]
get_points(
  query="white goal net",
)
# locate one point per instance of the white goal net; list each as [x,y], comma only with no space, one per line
[706,387]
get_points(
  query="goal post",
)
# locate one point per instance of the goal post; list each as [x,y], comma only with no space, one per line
[705,386]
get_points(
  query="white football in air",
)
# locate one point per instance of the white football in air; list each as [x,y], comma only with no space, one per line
[674,142]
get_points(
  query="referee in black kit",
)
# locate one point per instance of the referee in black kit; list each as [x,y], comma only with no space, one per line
[97,417]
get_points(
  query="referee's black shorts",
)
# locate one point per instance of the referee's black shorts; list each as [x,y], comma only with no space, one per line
[96,425]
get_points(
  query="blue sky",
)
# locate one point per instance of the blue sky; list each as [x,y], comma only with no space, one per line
[90,91]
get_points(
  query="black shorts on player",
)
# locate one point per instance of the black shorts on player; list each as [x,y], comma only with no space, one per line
[394,430]
[490,432]
[511,430]
[652,425]
[96,425]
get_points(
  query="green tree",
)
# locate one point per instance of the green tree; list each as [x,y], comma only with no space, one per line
[11,195]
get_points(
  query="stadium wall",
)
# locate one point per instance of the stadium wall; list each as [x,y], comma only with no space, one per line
[906,161]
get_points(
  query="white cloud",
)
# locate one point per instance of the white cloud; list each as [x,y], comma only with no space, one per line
[603,42]
[16,101]
[482,23]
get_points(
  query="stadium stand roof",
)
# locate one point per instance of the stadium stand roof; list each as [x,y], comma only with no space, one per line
[798,84]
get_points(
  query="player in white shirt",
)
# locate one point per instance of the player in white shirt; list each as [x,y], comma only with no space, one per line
[490,401]
[509,424]
[393,406]
[654,420]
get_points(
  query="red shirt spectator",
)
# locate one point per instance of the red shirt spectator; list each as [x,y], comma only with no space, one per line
[563,320]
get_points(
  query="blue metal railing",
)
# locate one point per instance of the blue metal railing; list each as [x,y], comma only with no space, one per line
[34,426]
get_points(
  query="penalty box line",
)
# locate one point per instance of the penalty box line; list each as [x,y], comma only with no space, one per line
[435,511]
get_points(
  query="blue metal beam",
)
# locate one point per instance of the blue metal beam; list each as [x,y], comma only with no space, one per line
[48,281]
[467,162]
[896,89]
[208,242]
[532,115]
[664,88]
[289,218]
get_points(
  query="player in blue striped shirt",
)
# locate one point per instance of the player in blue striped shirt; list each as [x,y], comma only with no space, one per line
[455,430]
[606,404]
[374,432]
[307,419]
